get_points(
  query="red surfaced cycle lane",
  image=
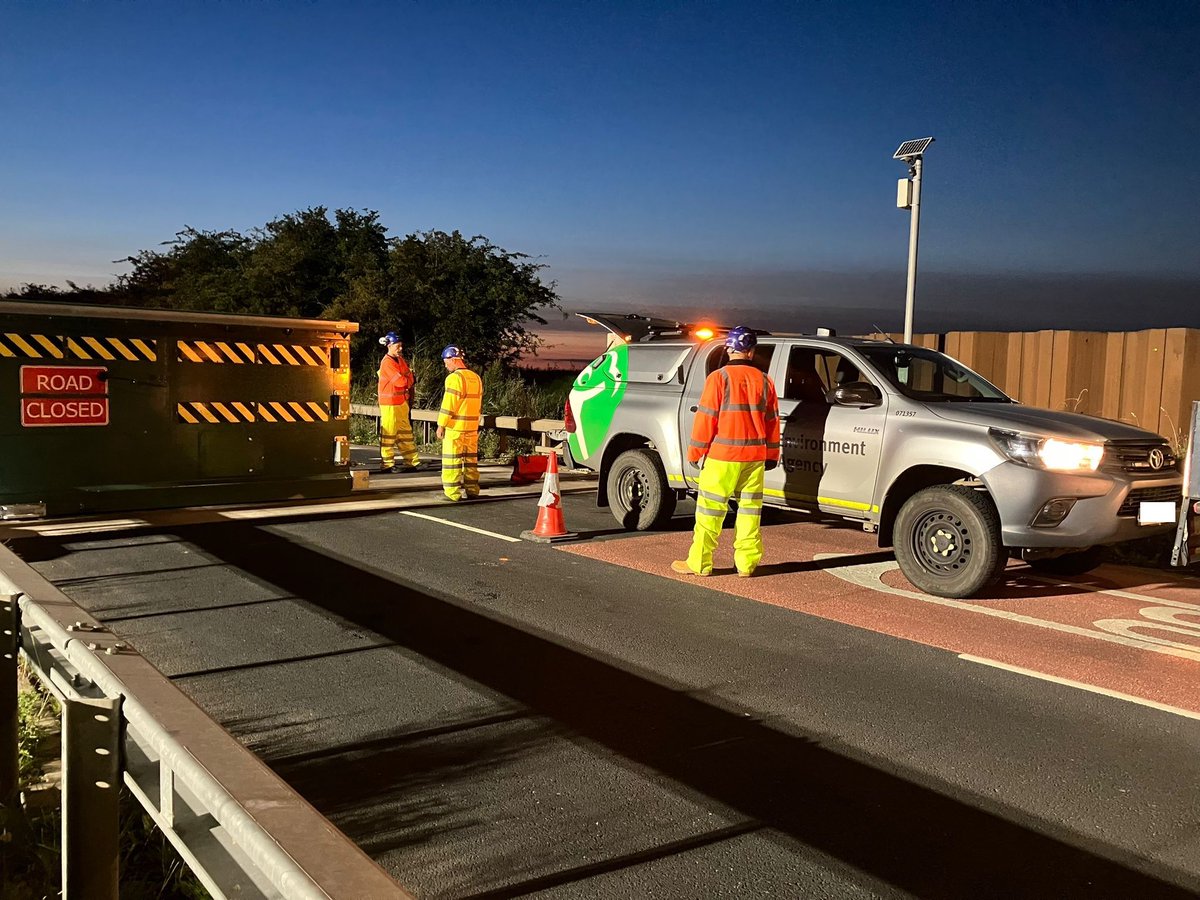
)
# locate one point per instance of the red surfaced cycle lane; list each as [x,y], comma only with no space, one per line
[1121,630]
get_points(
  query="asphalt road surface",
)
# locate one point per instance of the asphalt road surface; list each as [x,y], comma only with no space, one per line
[494,718]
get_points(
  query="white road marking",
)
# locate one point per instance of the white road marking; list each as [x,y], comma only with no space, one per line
[870,576]
[1083,686]
[167,518]
[417,515]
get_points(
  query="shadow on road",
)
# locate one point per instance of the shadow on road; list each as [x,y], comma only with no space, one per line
[906,834]
[931,841]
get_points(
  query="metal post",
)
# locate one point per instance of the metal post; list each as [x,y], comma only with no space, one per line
[1191,490]
[91,733]
[9,757]
[913,232]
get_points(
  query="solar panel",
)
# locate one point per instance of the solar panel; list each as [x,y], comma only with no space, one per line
[913,148]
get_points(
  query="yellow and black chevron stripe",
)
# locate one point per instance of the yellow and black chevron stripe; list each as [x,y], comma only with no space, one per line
[236,413]
[294,411]
[109,349]
[214,352]
[292,355]
[215,413]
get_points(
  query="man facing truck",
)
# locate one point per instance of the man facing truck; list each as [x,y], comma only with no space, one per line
[735,439]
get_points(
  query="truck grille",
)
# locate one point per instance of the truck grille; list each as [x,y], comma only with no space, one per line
[1130,506]
[1139,457]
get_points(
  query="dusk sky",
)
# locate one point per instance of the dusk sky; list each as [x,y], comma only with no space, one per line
[670,158]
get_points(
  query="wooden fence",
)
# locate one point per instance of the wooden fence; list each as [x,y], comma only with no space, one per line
[1146,378]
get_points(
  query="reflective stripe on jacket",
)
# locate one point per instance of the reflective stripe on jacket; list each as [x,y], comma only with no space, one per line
[461,401]
[395,381]
[737,419]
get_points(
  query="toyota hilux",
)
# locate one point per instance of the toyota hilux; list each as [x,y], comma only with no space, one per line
[905,440]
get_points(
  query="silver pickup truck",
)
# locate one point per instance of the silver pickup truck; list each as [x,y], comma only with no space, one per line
[919,449]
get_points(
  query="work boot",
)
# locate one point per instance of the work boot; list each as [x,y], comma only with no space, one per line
[681,567]
[386,470]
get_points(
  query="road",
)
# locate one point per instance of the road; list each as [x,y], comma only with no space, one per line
[494,718]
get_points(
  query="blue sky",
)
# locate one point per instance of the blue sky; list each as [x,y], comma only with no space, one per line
[656,153]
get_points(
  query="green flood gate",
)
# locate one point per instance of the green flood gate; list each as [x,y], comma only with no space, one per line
[107,408]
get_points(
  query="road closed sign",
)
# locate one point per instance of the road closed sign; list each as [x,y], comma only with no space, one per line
[63,396]
[72,381]
[43,411]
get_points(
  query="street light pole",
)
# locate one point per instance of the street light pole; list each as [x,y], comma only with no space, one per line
[909,197]
[914,230]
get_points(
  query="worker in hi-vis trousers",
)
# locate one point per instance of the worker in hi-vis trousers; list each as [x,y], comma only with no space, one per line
[735,439]
[396,384]
[458,427]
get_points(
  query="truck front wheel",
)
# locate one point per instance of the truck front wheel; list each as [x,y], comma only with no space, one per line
[638,493]
[948,541]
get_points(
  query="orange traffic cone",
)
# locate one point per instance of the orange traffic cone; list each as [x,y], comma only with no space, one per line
[550,526]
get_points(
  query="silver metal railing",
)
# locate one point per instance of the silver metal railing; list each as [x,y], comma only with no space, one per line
[548,431]
[239,827]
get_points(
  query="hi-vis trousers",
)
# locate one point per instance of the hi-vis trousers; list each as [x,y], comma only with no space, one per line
[395,436]
[720,482]
[460,464]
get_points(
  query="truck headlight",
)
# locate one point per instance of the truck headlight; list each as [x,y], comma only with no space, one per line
[1048,453]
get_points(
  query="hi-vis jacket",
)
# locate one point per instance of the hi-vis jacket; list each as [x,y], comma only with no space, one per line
[738,416]
[461,401]
[395,381]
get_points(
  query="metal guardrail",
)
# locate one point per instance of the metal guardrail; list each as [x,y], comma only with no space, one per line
[548,431]
[237,825]
[1190,504]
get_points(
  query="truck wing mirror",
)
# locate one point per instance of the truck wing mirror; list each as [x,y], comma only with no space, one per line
[856,393]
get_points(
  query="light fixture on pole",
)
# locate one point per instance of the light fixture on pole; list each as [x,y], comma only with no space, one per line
[908,196]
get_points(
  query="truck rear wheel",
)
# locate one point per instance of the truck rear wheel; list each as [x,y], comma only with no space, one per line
[1078,563]
[948,541]
[638,493]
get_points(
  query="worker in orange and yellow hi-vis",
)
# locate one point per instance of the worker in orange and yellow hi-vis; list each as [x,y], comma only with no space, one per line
[458,427]
[396,384]
[735,439]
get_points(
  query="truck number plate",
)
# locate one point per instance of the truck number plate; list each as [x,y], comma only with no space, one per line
[1156,513]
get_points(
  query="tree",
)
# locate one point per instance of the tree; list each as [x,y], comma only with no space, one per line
[434,287]
[442,288]
[202,271]
[50,293]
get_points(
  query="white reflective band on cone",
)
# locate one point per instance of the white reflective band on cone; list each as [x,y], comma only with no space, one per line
[549,490]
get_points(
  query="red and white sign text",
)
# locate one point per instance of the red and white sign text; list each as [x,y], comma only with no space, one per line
[65,395]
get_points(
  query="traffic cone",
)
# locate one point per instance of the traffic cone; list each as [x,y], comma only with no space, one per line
[550,526]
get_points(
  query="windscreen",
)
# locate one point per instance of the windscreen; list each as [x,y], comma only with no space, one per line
[930,376]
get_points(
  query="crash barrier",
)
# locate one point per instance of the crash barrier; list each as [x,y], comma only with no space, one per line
[1146,378]
[528,468]
[548,432]
[237,825]
[1190,507]
[108,408]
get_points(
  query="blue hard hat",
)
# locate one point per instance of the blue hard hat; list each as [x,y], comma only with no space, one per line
[390,338]
[741,339]
[451,352]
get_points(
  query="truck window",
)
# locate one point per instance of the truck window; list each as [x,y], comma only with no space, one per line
[931,376]
[812,373]
[719,356]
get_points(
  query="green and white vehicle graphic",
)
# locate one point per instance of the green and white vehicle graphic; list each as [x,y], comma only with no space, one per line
[595,397]
[903,440]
